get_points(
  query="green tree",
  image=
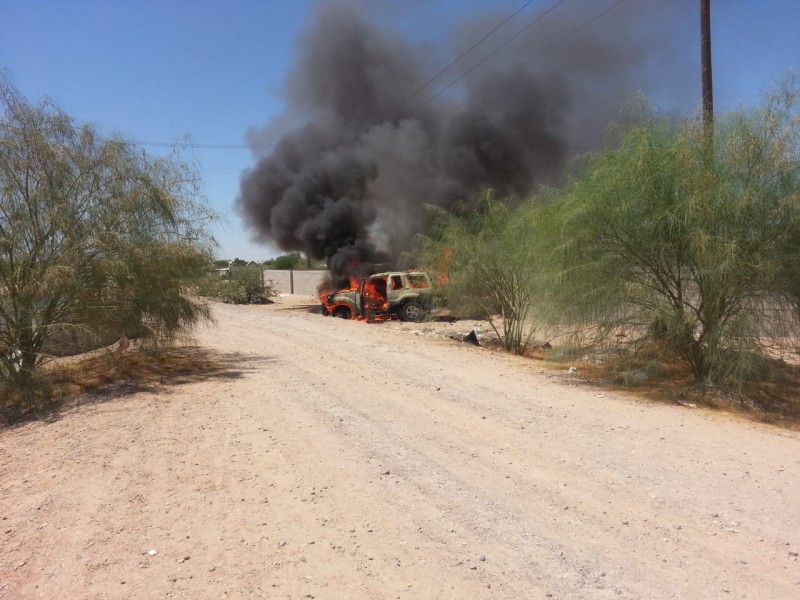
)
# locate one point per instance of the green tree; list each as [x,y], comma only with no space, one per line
[487,258]
[246,286]
[95,236]
[242,285]
[654,239]
[286,262]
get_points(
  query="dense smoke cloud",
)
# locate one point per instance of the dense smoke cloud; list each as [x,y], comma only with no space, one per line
[349,182]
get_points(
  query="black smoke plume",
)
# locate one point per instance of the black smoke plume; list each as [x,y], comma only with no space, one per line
[349,180]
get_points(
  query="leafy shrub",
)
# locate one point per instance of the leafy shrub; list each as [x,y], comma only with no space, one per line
[484,260]
[240,286]
[657,237]
[101,239]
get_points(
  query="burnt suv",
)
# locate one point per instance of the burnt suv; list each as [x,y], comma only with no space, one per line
[407,295]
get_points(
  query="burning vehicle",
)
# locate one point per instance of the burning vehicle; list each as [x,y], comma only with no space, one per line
[407,295]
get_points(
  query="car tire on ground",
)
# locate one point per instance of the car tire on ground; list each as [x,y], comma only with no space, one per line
[411,311]
[343,312]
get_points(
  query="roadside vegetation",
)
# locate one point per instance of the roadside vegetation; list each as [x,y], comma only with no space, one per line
[238,285]
[98,242]
[484,256]
[659,250]
[667,259]
[285,262]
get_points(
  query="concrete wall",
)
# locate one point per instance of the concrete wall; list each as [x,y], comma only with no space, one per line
[295,282]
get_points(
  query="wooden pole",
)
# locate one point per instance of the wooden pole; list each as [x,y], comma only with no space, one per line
[705,61]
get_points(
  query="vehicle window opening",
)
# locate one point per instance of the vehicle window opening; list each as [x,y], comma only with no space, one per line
[375,292]
[417,281]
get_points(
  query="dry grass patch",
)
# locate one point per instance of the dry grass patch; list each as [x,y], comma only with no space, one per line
[105,375]
[663,377]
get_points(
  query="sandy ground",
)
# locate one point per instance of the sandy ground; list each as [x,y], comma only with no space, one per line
[337,459]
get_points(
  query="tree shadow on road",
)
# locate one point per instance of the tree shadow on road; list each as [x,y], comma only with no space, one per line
[105,376]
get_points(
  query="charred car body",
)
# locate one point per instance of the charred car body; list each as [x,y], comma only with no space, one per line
[407,295]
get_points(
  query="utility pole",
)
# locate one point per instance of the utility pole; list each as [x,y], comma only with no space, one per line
[705,61]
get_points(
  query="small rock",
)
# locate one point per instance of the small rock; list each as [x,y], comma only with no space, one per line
[571,371]
[482,558]
[386,472]
[152,552]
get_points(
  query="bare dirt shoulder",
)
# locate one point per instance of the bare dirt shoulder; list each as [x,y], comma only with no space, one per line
[336,459]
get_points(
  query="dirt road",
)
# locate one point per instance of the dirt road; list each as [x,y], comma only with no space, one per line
[335,459]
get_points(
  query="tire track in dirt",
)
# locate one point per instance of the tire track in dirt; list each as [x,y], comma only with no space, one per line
[643,508]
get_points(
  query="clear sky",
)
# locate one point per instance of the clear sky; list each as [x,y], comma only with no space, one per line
[158,70]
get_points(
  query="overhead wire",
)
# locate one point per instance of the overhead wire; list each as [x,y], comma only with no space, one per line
[407,98]
[532,59]
[491,54]
[441,91]
[187,144]
[463,54]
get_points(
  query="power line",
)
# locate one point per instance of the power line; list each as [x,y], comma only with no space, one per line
[530,60]
[188,145]
[491,54]
[440,92]
[402,102]
[463,54]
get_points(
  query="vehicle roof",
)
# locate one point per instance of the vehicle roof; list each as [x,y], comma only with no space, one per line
[388,273]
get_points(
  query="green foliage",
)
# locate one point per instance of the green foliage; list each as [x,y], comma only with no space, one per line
[656,237]
[248,287]
[286,262]
[487,261]
[244,285]
[95,237]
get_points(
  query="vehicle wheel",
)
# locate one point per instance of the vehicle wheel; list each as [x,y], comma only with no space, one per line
[343,312]
[411,311]
[324,310]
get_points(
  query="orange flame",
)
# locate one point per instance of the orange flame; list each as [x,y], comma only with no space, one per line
[373,295]
[329,306]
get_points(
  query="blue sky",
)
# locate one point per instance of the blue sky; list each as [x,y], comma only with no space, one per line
[160,70]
